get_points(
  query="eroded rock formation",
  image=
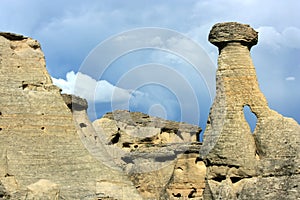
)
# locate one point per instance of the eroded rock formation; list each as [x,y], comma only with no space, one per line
[241,164]
[51,150]
[38,137]
[160,156]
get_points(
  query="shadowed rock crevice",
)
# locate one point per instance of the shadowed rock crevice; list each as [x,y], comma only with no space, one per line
[75,103]
[13,36]
[3,193]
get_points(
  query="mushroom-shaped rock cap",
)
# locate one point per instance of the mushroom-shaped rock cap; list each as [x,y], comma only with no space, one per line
[223,33]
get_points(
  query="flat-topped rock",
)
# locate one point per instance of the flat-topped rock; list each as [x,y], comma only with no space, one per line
[223,33]
[144,120]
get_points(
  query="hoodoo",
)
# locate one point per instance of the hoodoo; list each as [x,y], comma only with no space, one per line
[241,164]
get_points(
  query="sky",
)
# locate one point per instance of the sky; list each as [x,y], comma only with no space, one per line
[154,56]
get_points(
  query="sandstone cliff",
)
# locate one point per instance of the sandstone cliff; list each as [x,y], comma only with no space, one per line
[38,137]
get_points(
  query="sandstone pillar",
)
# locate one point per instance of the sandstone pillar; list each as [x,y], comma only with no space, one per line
[231,141]
[241,164]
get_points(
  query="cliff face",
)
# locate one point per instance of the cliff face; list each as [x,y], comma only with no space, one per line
[38,137]
[240,164]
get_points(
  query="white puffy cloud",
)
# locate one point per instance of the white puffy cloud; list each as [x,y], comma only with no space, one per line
[94,91]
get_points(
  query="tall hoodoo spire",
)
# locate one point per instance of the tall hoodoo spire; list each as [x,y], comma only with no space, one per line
[231,151]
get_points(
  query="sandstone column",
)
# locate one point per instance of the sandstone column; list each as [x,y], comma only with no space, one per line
[231,141]
[242,165]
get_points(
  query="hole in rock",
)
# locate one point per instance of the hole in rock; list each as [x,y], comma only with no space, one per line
[24,85]
[198,159]
[116,138]
[176,195]
[219,178]
[0,129]
[126,145]
[168,130]
[192,193]
[136,146]
[0,113]
[42,128]
[147,139]
[250,117]
[235,179]
[179,169]
[82,125]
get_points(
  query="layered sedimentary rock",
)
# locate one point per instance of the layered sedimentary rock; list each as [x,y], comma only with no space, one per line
[241,164]
[51,150]
[38,137]
[160,156]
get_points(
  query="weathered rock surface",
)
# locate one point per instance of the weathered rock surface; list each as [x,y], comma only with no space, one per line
[159,155]
[43,189]
[38,136]
[3,193]
[223,33]
[242,165]
[187,180]
[131,130]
